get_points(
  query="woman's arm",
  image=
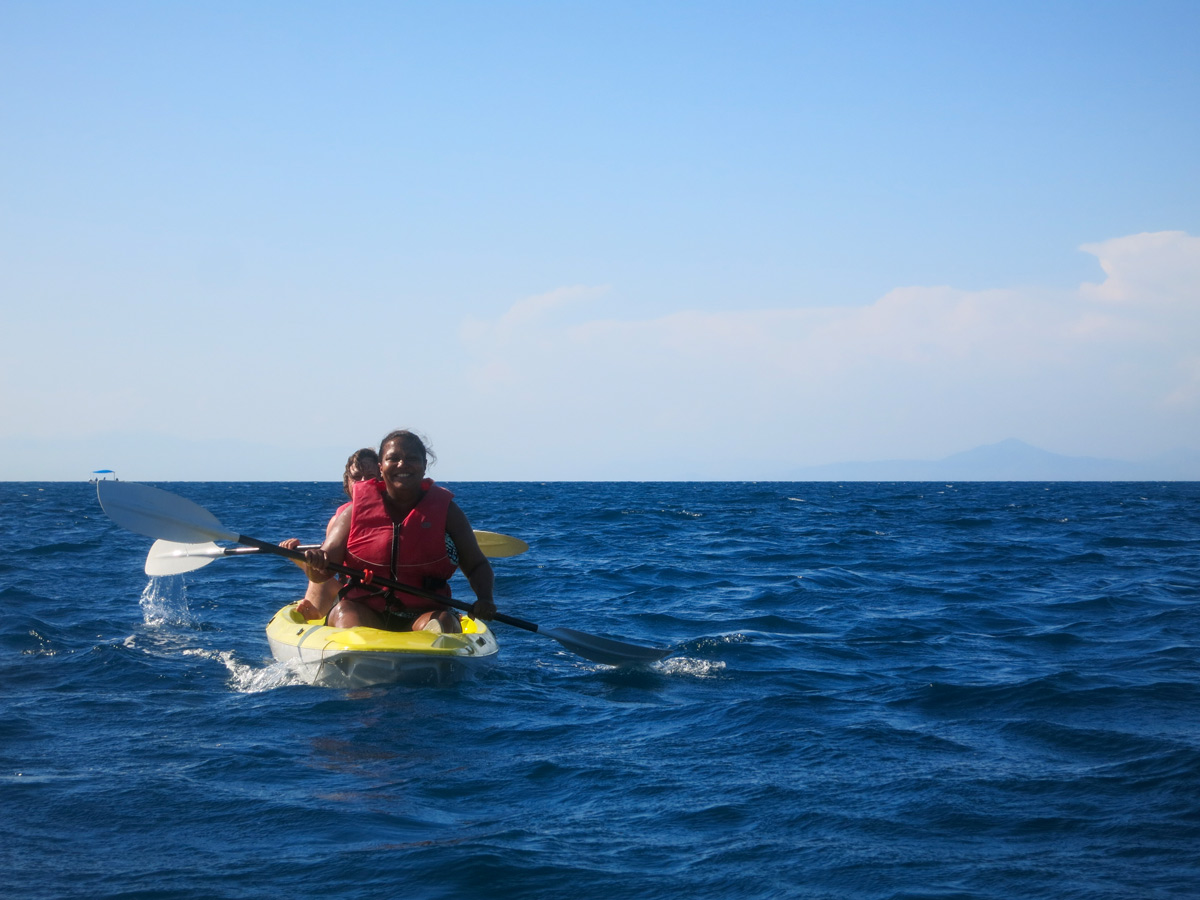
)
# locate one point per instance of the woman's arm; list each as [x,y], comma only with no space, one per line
[332,551]
[472,562]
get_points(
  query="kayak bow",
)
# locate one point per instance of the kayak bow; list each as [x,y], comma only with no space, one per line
[359,657]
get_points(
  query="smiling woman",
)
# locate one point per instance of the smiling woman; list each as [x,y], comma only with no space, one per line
[408,529]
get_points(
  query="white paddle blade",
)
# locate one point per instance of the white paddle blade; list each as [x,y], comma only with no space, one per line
[499,546]
[170,558]
[159,514]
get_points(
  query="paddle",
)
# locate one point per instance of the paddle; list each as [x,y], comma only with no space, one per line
[165,516]
[171,558]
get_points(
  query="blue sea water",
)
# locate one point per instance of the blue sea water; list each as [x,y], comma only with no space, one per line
[876,691]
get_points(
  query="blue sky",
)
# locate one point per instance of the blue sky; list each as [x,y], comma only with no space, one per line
[594,240]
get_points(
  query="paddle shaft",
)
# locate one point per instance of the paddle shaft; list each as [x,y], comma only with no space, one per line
[243,551]
[385,582]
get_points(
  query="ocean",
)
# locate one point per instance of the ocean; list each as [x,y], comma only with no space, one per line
[902,690]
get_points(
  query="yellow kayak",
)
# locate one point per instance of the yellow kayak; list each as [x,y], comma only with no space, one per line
[358,657]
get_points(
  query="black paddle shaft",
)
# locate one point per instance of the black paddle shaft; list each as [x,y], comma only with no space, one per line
[358,575]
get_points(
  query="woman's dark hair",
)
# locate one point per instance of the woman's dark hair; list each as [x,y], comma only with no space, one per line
[411,438]
[357,458]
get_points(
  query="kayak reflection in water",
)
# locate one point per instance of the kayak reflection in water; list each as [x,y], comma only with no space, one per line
[320,597]
[404,527]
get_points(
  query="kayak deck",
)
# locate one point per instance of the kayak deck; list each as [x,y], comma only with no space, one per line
[359,657]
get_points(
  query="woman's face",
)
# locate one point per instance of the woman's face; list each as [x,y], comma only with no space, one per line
[402,465]
[366,470]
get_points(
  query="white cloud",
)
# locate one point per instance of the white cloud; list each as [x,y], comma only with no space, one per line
[1147,269]
[560,387]
[1106,369]
[532,313]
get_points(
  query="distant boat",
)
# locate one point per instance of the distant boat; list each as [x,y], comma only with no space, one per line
[103,475]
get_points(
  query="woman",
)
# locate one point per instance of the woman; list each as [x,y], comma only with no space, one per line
[405,528]
[363,465]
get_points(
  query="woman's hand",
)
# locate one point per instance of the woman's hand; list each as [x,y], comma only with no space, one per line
[483,608]
[292,544]
[317,565]
[314,563]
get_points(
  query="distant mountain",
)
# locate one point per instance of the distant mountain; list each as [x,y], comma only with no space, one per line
[1011,460]
[153,457]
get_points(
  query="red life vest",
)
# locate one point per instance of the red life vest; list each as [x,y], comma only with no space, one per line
[412,551]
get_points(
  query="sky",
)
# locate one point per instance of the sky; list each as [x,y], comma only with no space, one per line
[594,240]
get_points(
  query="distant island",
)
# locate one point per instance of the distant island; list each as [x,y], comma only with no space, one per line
[1010,460]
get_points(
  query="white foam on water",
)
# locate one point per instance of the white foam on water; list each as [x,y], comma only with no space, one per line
[694,668]
[249,679]
[164,602]
[165,612]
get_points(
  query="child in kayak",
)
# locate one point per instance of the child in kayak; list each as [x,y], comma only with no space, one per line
[319,598]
